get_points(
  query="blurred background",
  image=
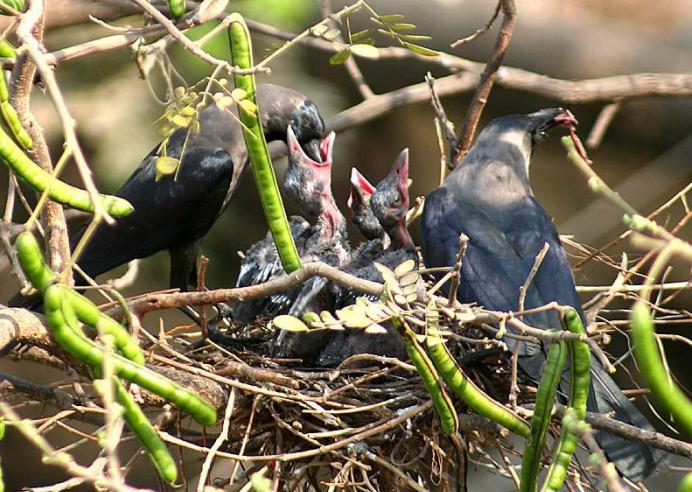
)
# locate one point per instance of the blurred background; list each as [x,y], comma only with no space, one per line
[646,153]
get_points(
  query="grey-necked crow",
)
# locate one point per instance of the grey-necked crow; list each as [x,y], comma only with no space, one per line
[489,198]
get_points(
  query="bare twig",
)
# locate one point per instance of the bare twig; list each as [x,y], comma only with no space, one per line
[223,436]
[53,216]
[440,114]
[350,64]
[479,32]
[605,118]
[480,97]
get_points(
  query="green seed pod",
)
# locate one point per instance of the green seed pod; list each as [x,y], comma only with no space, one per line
[177,8]
[463,387]
[449,421]
[31,259]
[545,397]
[7,50]
[580,381]
[241,53]
[40,180]
[57,305]
[669,399]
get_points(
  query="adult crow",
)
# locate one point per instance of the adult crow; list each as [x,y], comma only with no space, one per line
[175,212]
[489,198]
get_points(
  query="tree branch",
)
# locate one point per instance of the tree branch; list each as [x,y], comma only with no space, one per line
[480,97]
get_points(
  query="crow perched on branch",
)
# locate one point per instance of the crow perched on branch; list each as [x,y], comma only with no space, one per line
[176,211]
[488,197]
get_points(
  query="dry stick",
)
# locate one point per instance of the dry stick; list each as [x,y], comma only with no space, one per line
[605,118]
[446,125]
[350,64]
[53,217]
[479,32]
[369,430]
[456,277]
[223,435]
[63,460]
[189,45]
[514,387]
[480,97]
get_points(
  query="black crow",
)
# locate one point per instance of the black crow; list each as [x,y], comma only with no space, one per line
[320,238]
[359,204]
[489,198]
[389,203]
[175,212]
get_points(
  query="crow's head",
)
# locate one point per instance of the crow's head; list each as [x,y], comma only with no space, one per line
[308,181]
[390,202]
[359,203]
[517,135]
[282,107]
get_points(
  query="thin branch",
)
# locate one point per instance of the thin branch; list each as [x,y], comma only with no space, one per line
[53,217]
[446,125]
[605,118]
[350,64]
[480,97]
[479,32]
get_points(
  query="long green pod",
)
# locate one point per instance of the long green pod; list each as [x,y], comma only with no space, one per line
[449,421]
[241,53]
[580,381]
[91,354]
[31,260]
[7,50]
[41,276]
[59,191]
[669,399]
[177,8]
[9,116]
[88,313]
[545,397]
[462,386]
[146,434]
[686,483]
[17,5]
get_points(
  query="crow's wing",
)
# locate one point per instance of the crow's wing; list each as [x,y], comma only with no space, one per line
[501,251]
[169,212]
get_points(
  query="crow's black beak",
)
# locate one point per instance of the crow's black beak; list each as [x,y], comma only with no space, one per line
[547,119]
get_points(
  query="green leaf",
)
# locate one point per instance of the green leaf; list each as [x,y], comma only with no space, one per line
[354,316]
[376,329]
[319,30]
[408,279]
[404,268]
[225,101]
[238,94]
[331,34]
[289,323]
[248,106]
[166,165]
[405,37]
[388,18]
[340,57]
[402,26]
[365,50]
[188,111]
[359,36]
[421,50]
[181,121]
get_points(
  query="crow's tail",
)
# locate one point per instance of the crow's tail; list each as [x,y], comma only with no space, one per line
[634,460]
